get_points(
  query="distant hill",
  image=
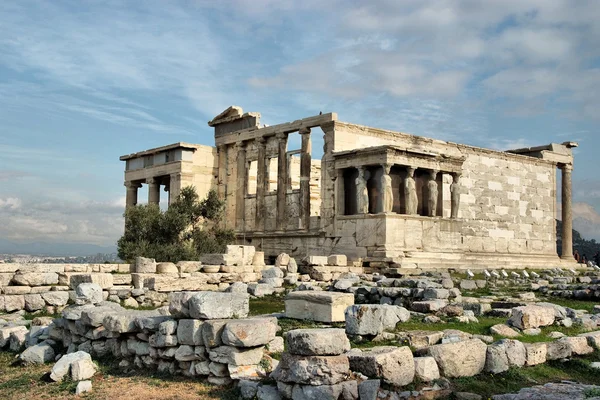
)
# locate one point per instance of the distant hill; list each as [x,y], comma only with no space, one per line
[583,246]
[54,249]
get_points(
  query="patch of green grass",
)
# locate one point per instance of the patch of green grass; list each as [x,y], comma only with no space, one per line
[512,381]
[572,303]
[593,392]
[480,328]
[288,324]
[31,316]
[267,305]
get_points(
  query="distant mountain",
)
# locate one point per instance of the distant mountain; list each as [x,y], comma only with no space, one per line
[54,249]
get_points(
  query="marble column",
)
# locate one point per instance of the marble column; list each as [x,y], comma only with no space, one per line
[282,179]
[131,197]
[174,187]
[153,191]
[567,212]
[241,186]
[432,193]
[305,166]
[261,184]
[387,195]
[410,192]
[455,195]
[222,173]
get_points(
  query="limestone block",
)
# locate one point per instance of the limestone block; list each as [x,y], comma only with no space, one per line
[234,356]
[166,268]
[145,265]
[212,330]
[338,260]
[422,339]
[14,303]
[221,259]
[343,390]
[460,359]
[215,305]
[39,354]
[527,317]
[317,342]
[189,266]
[16,290]
[282,260]
[428,305]
[82,369]
[18,339]
[56,298]
[105,281]
[249,332]
[276,345]
[395,365]
[373,319]
[318,306]
[34,302]
[6,331]
[432,293]
[259,259]
[260,289]
[88,293]
[369,389]
[504,330]
[248,253]
[579,345]
[312,370]
[535,353]
[274,272]
[467,284]
[426,369]
[62,366]
[558,350]
[83,387]
[273,282]
[593,338]
[315,260]
[35,279]
[292,266]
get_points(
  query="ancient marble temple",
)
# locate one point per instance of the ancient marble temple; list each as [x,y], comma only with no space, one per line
[380,197]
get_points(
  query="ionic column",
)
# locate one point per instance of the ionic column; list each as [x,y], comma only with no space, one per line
[432,193]
[241,188]
[387,195]
[222,177]
[153,191]
[455,195]
[131,197]
[282,176]
[305,166]
[174,187]
[261,184]
[567,213]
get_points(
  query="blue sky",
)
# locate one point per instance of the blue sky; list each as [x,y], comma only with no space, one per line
[83,82]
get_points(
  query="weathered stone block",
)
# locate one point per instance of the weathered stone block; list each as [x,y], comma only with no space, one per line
[312,370]
[535,353]
[372,319]
[395,365]
[34,302]
[56,298]
[14,303]
[249,332]
[527,317]
[460,359]
[318,306]
[426,369]
[35,279]
[189,331]
[317,342]
[339,260]
[145,265]
[104,280]
[215,305]
[235,356]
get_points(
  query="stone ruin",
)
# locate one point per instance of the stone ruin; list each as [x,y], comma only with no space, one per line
[201,328]
[385,199]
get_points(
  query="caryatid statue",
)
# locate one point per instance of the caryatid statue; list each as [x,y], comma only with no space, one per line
[387,201]
[362,194]
[455,190]
[410,192]
[432,192]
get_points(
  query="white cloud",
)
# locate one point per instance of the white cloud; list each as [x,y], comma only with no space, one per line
[10,203]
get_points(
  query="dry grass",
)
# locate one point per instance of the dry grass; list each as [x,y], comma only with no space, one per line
[19,382]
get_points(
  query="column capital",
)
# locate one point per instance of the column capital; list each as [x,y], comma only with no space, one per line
[240,146]
[410,170]
[281,136]
[151,181]
[304,131]
[433,173]
[566,167]
[386,168]
[222,147]
[132,185]
[261,140]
